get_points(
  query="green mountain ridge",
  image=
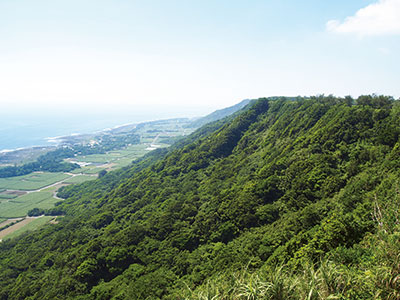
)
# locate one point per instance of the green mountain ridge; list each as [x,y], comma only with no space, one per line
[283,187]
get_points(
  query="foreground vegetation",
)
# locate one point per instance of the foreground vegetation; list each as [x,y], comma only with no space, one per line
[288,199]
[368,270]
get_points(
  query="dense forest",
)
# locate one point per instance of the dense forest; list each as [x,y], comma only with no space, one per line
[286,199]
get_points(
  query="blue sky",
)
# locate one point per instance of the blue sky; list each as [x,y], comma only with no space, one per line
[190,57]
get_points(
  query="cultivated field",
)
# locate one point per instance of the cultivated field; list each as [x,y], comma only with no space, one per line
[79,179]
[28,224]
[31,181]
[111,160]
[131,152]
[20,194]
[20,206]
[8,195]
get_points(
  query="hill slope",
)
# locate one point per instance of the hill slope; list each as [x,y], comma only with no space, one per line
[219,114]
[284,182]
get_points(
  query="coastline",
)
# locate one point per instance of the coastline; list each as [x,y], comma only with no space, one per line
[56,141]
[51,142]
[6,151]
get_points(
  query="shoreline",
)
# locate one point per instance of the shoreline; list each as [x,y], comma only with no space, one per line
[54,142]
[57,140]
[5,151]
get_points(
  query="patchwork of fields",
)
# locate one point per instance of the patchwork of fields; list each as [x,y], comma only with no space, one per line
[19,207]
[20,194]
[79,179]
[31,181]
[111,160]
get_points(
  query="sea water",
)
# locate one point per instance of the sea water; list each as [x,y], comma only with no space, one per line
[27,132]
[23,131]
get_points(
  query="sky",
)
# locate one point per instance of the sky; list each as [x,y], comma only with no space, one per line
[191,57]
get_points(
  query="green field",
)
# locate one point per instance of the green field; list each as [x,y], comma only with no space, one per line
[20,206]
[35,224]
[88,170]
[14,205]
[150,133]
[92,171]
[8,196]
[31,181]
[80,179]
[95,158]
[119,158]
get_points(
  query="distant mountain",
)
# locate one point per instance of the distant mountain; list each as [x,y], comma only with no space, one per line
[219,114]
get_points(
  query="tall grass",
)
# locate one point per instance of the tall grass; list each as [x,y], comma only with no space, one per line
[375,276]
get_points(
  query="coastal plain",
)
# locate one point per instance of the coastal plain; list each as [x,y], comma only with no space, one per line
[20,194]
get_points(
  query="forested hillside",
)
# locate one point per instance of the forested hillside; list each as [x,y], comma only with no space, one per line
[289,199]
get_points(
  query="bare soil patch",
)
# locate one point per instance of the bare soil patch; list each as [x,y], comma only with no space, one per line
[9,221]
[13,228]
[53,221]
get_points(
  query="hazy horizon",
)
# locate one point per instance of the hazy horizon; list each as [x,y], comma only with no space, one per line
[113,56]
[28,128]
[139,60]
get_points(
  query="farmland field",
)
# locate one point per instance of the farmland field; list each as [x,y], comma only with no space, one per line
[20,194]
[9,222]
[111,160]
[20,206]
[32,225]
[92,171]
[7,196]
[94,158]
[14,204]
[79,179]
[32,181]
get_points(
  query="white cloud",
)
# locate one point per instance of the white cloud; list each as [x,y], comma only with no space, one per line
[381,18]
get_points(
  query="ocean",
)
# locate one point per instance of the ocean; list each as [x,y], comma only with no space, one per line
[24,129]
[28,131]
